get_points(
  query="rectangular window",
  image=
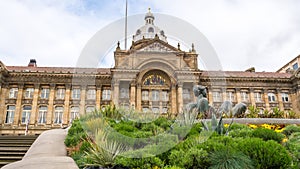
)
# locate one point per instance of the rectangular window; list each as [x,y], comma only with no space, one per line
[124,93]
[165,96]
[10,114]
[145,95]
[271,97]
[45,93]
[106,94]
[155,95]
[285,97]
[257,97]
[217,97]
[58,115]
[295,66]
[75,93]
[186,94]
[13,93]
[230,96]
[89,109]
[42,114]
[74,113]
[26,114]
[29,93]
[60,93]
[91,94]
[155,109]
[245,96]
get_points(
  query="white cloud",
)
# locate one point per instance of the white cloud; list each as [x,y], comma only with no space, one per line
[263,34]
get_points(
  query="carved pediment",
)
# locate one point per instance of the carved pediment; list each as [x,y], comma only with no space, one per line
[156,47]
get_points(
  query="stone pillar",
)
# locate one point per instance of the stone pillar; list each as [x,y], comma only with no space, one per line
[132,96]
[280,103]
[34,111]
[50,110]
[266,100]
[18,112]
[252,98]
[238,95]
[3,95]
[224,98]
[139,97]
[173,99]
[210,96]
[82,100]
[98,96]
[179,98]
[66,115]
[116,93]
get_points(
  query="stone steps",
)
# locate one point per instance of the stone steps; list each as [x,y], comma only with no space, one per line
[13,148]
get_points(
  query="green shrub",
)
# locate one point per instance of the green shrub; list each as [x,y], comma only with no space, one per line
[244,132]
[230,159]
[267,134]
[163,123]
[191,158]
[75,134]
[265,154]
[140,163]
[195,130]
[172,167]
[288,130]
[293,146]
[238,126]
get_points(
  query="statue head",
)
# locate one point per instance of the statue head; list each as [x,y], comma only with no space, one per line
[199,90]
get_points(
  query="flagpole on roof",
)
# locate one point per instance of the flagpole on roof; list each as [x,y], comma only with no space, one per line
[126,25]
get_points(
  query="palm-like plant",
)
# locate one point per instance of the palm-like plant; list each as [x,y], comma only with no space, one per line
[103,152]
[228,159]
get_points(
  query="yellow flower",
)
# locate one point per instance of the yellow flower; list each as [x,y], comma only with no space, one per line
[279,130]
[226,125]
[252,126]
[284,140]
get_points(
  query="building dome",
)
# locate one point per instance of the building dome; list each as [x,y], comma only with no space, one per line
[149,30]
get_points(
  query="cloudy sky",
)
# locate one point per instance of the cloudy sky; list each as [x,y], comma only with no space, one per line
[264,34]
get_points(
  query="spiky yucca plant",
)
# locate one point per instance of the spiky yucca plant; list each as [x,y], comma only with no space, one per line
[228,159]
[103,152]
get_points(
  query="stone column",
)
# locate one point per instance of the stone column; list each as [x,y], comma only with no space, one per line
[266,100]
[132,96]
[173,99]
[238,95]
[98,96]
[3,95]
[34,111]
[179,97]
[50,110]
[66,115]
[139,97]
[18,112]
[82,100]
[210,96]
[252,98]
[116,93]
[224,98]
[280,103]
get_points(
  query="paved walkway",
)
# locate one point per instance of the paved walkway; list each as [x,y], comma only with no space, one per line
[47,152]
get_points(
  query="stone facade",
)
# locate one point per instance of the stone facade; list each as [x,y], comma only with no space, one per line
[150,76]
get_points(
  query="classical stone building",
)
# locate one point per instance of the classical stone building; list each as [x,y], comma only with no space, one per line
[150,76]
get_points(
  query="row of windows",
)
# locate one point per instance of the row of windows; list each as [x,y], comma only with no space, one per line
[60,93]
[156,95]
[42,114]
[230,96]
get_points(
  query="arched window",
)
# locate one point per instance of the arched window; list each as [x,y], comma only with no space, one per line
[138,32]
[150,30]
[154,80]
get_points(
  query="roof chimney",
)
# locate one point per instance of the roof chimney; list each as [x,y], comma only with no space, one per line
[32,63]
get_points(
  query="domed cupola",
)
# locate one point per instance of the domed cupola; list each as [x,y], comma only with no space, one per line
[149,30]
